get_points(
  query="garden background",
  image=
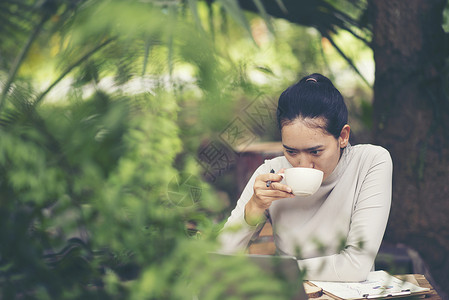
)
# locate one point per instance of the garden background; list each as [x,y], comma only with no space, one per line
[112,114]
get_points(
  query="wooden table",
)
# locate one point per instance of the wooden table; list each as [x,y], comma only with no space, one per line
[422,281]
[316,293]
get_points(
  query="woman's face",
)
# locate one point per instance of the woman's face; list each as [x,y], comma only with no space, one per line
[307,144]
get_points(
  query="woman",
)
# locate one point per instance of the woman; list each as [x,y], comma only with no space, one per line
[336,232]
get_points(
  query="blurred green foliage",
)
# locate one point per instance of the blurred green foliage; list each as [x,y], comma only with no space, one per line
[104,106]
[85,210]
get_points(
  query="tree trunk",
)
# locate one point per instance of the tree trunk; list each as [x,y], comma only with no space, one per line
[411,117]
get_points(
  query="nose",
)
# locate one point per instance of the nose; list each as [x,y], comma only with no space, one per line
[305,162]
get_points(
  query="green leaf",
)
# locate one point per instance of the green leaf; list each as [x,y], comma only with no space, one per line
[232,8]
[193,4]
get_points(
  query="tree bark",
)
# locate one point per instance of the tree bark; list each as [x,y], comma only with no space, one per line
[411,117]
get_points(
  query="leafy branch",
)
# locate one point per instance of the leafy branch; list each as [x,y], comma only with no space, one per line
[70,68]
[20,58]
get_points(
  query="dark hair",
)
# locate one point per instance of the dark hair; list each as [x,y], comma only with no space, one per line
[314,96]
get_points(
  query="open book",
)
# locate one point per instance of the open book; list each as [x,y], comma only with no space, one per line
[379,284]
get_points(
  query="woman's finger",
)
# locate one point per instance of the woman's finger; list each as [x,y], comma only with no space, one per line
[280,187]
[272,194]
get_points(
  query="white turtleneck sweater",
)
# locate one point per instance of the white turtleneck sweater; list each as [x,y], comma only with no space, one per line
[335,233]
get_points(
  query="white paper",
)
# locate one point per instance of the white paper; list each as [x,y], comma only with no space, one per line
[378,284]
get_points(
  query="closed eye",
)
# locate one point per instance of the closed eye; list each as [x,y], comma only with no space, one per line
[290,152]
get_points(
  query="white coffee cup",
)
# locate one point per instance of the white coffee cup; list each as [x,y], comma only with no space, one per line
[303,181]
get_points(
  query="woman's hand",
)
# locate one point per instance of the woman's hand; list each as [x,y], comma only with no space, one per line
[264,194]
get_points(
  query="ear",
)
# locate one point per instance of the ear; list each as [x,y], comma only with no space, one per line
[343,139]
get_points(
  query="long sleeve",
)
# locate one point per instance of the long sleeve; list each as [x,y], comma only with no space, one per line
[367,227]
[335,233]
[236,233]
